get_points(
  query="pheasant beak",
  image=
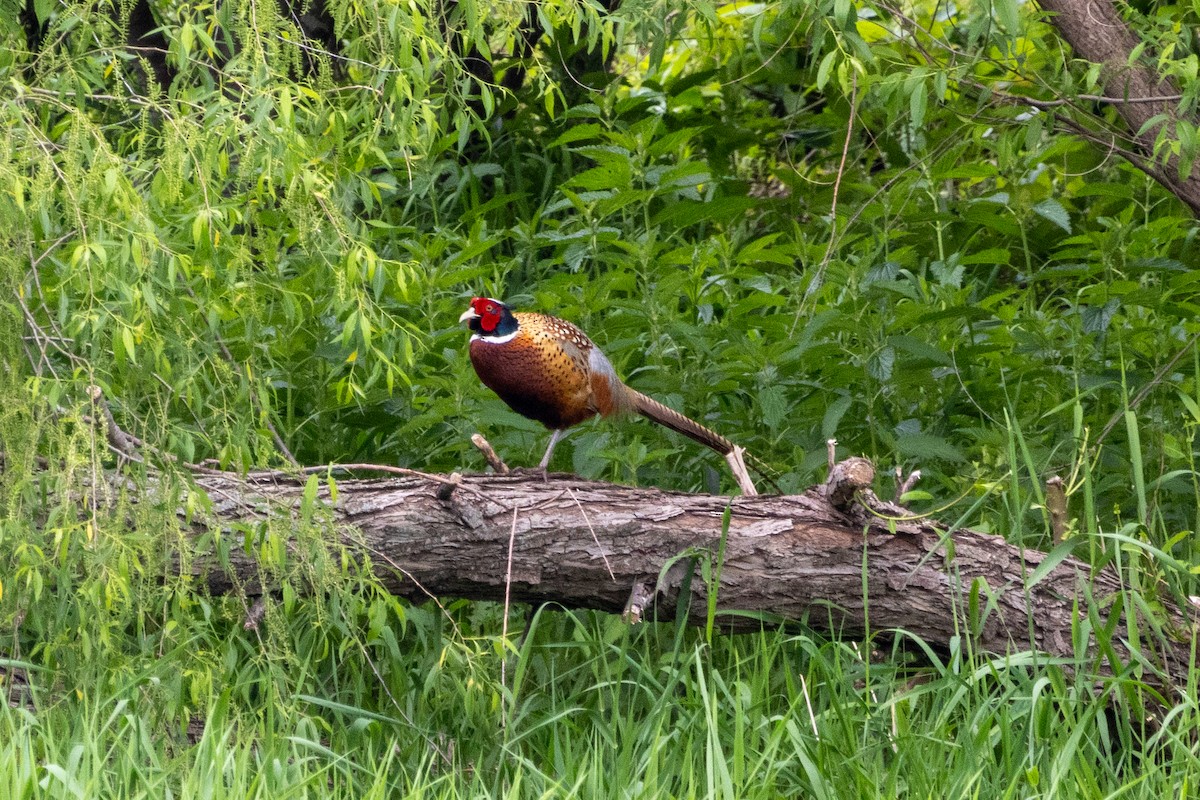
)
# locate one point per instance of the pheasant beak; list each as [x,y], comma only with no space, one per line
[469,314]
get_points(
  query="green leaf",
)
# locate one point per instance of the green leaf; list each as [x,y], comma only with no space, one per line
[992,255]
[683,213]
[1190,404]
[921,349]
[773,403]
[1051,560]
[825,68]
[918,100]
[833,415]
[309,499]
[610,176]
[880,364]
[948,273]
[992,213]
[1097,319]
[926,447]
[577,133]
[127,342]
[887,271]
[1006,14]
[671,142]
[1053,211]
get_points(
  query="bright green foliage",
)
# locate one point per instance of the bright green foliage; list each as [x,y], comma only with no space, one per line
[283,240]
[594,709]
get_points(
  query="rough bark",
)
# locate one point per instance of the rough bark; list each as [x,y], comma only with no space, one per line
[1097,33]
[794,558]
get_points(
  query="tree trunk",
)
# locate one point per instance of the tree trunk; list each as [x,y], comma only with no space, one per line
[1097,33]
[617,548]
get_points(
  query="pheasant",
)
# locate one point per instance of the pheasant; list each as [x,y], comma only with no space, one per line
[548,370]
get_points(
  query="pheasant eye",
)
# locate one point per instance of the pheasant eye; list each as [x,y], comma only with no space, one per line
[490,308]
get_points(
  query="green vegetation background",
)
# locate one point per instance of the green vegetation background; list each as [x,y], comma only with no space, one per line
[792,222]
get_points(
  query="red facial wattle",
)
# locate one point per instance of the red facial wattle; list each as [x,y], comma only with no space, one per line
[489,315]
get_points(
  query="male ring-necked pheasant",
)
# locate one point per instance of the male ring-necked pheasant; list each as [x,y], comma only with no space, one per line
[548,370]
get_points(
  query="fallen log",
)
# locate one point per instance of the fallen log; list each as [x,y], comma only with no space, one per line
[821,558]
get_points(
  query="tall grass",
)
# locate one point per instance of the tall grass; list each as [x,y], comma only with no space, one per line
[599,709]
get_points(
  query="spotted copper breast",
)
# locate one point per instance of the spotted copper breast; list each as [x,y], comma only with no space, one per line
[550,371]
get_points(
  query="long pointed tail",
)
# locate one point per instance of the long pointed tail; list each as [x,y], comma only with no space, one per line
[652,409]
